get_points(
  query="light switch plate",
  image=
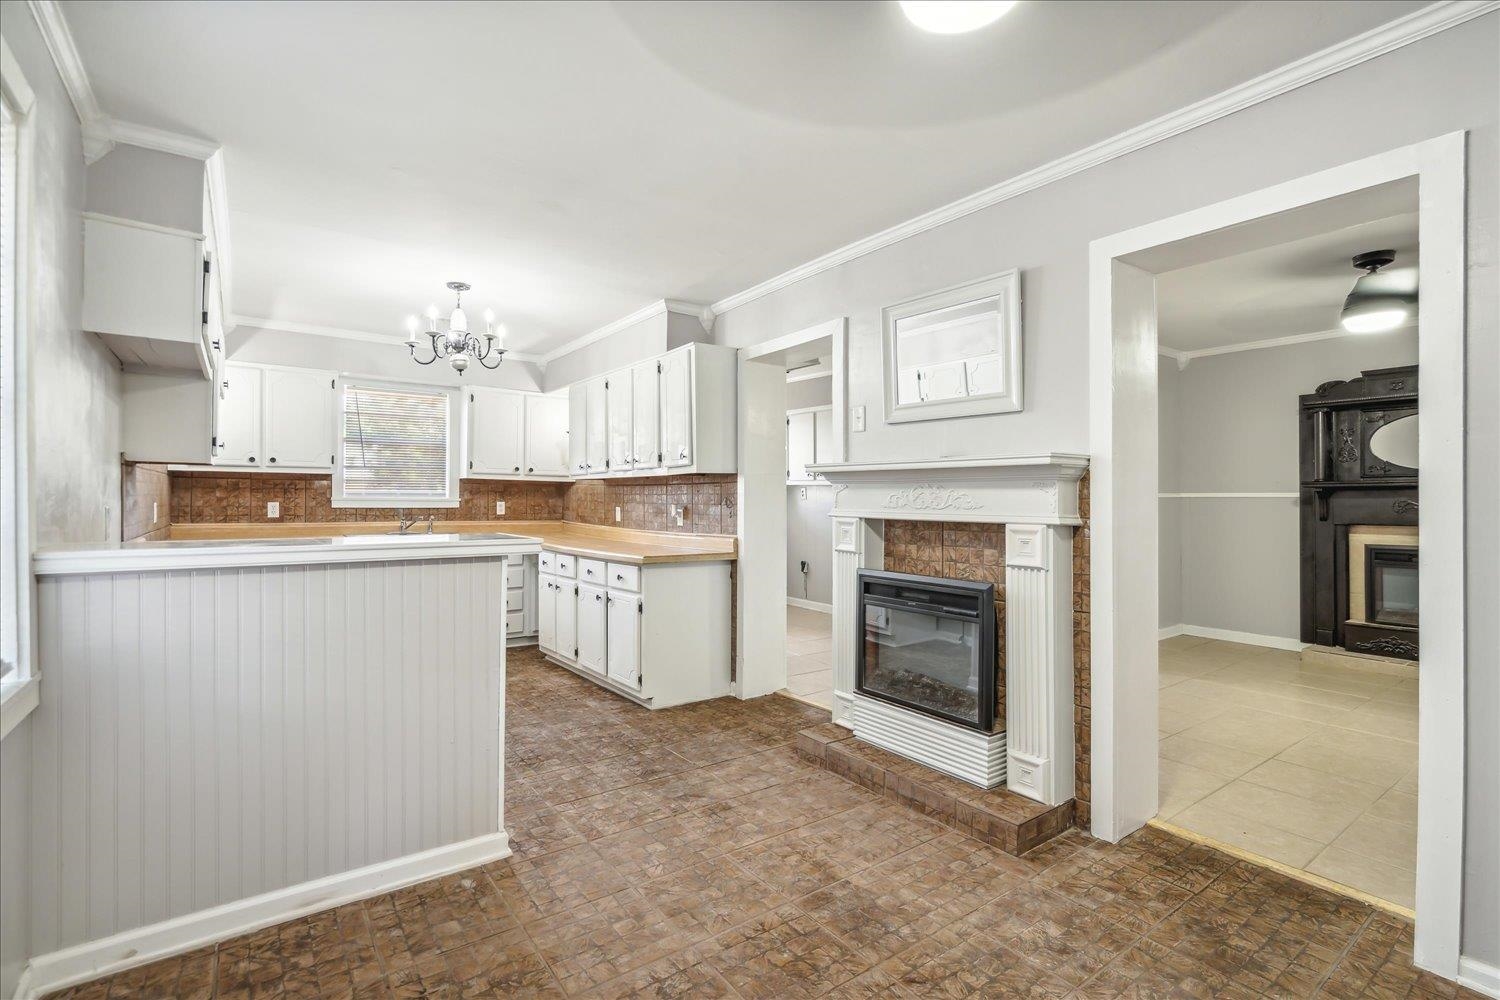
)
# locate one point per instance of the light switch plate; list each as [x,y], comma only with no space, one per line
[273,508]
[859,418]
[617,515]
[499,506]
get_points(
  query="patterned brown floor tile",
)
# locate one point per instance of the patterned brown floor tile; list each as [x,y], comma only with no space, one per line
[677,977]
[783,953]
[712,897]
[542,887]
[490,968]
[612,936]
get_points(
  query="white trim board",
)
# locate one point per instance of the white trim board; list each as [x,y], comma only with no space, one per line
[1376,42]
[1185,357]
[1479,976]
[1122,433]
[1229,635]
[806,605]
[128,949]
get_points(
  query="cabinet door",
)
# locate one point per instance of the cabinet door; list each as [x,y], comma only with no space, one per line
[596,429]
[800,445]
[565,632]
[823,450]
[546,611]
[496,431]
[546,436]
[240,416]
[677,409]
[618,402]
[624,638]
[591,627]
[578,422]
[645,434]
[298,419]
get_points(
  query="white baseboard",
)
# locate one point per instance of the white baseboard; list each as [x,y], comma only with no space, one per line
[1228,635]
[92,959]
[806,605]
[1479,976]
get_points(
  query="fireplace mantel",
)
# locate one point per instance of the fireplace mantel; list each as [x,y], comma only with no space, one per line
[1036,498]
[1034,489]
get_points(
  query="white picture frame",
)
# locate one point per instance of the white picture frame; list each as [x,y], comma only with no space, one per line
[982,382]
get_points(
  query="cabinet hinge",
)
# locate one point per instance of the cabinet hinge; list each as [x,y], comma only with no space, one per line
[658,458]
[658,368]
[332,459]
[640,607]
[333,383]
[471,397]
[471,464]
[606,383]
[205,317]
[208,266]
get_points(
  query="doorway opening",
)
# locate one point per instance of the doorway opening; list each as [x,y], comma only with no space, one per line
[791,419]
[1125,557]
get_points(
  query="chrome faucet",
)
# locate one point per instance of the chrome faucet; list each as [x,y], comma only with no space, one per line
[405,524]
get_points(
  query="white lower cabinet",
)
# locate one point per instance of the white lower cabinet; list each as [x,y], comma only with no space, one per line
[591,628]
[625,613]
[658,634]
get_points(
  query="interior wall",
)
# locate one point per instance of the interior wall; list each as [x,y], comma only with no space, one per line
[1448,83]
[634,343]
[1229,424]
[809,392]
[809,538]
[1169,522]
[149,186]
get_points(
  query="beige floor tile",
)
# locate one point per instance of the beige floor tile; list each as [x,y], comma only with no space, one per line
[1398,807]
[1395,885]
[811,663]
[1194,699]
[1222,760]
[1314,784]
[1180,643]
[1171,720]
[1260,733]
[1321,821]
[1380,839]
[1408,784]
[1180,785]
[800,647]
[823,699]
[1247,834]
[808,683]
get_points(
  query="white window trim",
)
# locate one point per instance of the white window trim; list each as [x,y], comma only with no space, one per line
[456,438]
[20,692]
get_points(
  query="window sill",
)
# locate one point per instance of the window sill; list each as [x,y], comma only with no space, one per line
[17,700]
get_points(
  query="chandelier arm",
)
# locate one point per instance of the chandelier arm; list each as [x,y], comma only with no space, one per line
[413,349]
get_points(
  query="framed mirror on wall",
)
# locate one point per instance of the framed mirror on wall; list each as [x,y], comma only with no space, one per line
[954,352]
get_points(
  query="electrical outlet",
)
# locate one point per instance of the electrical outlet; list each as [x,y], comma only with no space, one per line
[617,515]
[859,418]
[802,493]
[677,513]
[273,508]
[154,512]
[499,506]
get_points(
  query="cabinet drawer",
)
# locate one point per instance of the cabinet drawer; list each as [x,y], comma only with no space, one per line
[515,622]
[515,575]
[566,565]
[592,571]
[546,562]
[623,576]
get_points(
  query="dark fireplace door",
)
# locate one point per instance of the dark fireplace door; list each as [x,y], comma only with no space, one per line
[928,644]
[1391,585]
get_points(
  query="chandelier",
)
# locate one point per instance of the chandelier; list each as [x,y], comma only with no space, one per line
[457,344]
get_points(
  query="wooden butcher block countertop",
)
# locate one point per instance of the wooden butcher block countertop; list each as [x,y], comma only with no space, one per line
[624,545]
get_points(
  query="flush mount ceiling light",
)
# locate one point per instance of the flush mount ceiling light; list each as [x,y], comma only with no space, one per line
[1377,302]
[954,17]
[456,344]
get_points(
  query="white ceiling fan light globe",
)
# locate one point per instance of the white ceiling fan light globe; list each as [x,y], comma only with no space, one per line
[954,17]
[1373,321]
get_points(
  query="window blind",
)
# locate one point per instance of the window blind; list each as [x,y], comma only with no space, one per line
[396,444]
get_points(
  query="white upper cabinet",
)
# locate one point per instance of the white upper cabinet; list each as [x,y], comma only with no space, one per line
[618,406]
[578,420]
[547,443]
[146,292]
[596,428]
[677,409]
[645,434]
[298,418]
[497,439]
[801,445]
[240,406]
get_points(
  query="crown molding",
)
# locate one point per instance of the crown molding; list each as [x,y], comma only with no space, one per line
[657,308]
[160,139]
[1184,357]
[343,333]
[53,25]
[1393,35]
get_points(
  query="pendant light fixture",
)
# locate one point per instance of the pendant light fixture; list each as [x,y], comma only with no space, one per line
[1377,302]
[954,17]
[457,344]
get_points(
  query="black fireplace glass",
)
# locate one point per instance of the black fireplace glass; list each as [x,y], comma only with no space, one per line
[928,644]
[1391,585]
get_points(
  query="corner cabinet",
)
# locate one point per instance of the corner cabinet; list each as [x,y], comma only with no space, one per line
[275,418]
[627,631]
[674,412]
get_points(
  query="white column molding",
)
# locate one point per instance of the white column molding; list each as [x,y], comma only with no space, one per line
[1039,661]
[857,544]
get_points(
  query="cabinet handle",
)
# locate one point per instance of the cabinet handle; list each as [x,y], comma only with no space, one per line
[252,459]
[600,597]
[273,460]
[530,468]
[518,468]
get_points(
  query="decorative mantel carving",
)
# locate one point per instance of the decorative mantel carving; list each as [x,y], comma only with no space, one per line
[929,498]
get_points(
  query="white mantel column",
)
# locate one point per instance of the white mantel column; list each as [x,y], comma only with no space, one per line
[857,544]
[1039,660]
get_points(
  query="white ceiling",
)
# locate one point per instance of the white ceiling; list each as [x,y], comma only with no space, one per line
[1282,276]
[576,161]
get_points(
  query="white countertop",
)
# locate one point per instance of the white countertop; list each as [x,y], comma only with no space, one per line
[137,557]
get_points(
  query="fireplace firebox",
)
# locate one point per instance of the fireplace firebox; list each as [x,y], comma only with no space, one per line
[928,644]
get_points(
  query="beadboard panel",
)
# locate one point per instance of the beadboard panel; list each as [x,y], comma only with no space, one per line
[208,735]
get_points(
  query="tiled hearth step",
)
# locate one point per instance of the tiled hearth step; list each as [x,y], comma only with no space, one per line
[1000,818]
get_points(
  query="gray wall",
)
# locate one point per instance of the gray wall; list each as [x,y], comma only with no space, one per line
[1448,83]
[809,536]
[811,392]
[75,419]
[393,360]
[634,343]
[1228,424]
[148,186]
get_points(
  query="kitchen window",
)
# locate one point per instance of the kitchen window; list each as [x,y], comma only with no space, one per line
[18,688]
[398,445]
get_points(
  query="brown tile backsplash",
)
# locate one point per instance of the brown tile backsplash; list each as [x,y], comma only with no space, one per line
[708,503]
[145,501]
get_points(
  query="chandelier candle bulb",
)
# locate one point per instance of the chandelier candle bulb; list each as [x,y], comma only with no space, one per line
[411,329]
